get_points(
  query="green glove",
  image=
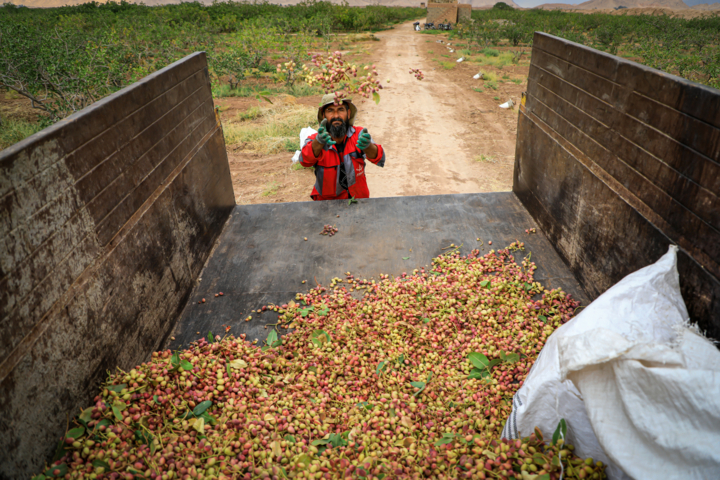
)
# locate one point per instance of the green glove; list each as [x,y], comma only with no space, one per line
[323,137]
[364,139]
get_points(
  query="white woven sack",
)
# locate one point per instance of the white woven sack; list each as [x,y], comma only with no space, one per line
[637,387]
[304,134]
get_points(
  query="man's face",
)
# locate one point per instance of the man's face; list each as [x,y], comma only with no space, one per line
[337,116]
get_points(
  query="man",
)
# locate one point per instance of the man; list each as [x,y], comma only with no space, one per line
[338,152]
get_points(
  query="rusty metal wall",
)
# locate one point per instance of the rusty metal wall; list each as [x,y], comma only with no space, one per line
[106,221]
[616,161]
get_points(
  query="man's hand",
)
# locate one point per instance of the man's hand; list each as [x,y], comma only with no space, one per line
[364,139]
[365,144]
[321,139]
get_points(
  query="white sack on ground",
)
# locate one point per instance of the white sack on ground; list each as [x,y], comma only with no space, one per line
[637,387]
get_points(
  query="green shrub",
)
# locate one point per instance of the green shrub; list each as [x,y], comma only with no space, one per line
[92,50]
[267,67]
[490,77]
[292,145]
[502,6]
[687,47]
[297,90]
[250,114]
[15,130]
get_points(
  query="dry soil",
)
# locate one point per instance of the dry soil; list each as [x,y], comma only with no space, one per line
[437,130]
[440,134]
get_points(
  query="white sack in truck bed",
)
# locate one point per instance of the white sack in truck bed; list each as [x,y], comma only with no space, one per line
[638,387]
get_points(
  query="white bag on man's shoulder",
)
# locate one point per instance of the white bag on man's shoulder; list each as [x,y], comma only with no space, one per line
[637,387]
[304,134]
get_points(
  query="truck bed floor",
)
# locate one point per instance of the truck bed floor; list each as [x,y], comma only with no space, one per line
[261,256]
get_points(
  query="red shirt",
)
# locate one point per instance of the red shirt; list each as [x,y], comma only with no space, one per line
[327,171]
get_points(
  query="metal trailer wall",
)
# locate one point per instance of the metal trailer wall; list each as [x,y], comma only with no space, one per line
[616,161]
[107,218]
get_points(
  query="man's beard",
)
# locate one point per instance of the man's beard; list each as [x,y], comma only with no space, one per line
[338,130]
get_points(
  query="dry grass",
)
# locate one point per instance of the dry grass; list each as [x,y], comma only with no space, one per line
[490,77]
[270,189]
[271,129]
[361,37]
[485,159]
[496,59]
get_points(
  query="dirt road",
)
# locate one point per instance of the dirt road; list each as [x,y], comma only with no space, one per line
[440,136]
[444,134]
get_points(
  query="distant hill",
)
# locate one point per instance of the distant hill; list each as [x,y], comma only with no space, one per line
[613,4]
[489,3]
[645,8]
[404,3]
[556,6]
[589,5]
[603,4]
[707,6]
[353,3]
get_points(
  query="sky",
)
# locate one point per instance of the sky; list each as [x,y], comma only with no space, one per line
[535,3]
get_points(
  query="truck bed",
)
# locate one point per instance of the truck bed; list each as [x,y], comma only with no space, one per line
[261,256]
[110,218]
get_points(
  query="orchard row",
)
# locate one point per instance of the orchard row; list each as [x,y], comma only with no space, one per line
[689,48]
[109,46]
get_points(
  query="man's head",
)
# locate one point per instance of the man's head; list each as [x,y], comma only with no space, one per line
[339,116]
